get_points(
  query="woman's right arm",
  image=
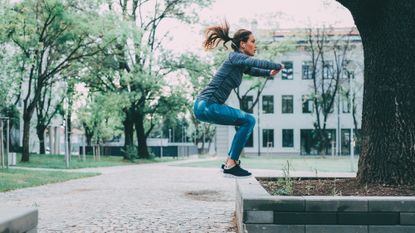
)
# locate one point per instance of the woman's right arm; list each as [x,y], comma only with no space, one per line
[243,59]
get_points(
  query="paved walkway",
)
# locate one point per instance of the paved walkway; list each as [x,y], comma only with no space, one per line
[137,198]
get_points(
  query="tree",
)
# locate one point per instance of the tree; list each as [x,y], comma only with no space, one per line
[51,36]
[47,107]
[327,68]
[388,120]
[198,73]
[143,77]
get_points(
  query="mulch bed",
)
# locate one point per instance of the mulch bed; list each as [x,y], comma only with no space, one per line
[330,187]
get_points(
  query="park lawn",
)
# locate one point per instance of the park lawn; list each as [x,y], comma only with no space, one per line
[57,161]
[297,163]
[11,179]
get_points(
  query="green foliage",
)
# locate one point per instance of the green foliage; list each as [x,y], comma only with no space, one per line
[12,179]
[103,116]
[285,183]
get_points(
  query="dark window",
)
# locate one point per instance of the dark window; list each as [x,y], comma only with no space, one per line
[267,138]
[307,104]
[310,143]
[287,72]
[346,103]
[328,72]
[307,70]
[345,142]
[287,138]
[247,102]
[268,104]
[287,104]
[250,142]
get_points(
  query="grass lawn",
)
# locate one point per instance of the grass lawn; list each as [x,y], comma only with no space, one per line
[11,179]
[297,163]
[57,161]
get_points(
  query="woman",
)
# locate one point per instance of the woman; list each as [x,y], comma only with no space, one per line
[209,106]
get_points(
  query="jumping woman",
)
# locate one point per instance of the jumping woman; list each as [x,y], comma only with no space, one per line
[209,105]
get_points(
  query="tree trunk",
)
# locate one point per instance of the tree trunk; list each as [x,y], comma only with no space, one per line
[128,133]
[388,124]
[40,131]
[141,136]
[27,116]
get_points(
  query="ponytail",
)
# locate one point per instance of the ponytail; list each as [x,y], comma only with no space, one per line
[214,35]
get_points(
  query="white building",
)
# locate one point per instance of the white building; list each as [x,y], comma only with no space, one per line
[284,118]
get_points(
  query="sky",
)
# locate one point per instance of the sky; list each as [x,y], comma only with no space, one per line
[269,14]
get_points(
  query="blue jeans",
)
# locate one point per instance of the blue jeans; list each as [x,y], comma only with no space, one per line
[222,114]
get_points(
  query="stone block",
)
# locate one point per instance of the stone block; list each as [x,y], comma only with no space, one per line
[368,218]
[268,228]
[391,229]
[259,216]
[391,204]
[336,204]
[335,229]
[18,220]
[407,218]
[275,203]
[300,218]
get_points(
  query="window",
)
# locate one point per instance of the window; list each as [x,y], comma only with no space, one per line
[328,70]
[247,102]
[268,104]
[345,141]
[287,138]
[348,75]
[307,104]
[346,105]
[307,70]
[287,104]
[250,142]
[287,72]
[267,138]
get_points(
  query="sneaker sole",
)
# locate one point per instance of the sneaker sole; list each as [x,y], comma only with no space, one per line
[227,175]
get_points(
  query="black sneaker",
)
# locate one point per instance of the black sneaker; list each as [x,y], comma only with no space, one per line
[236,171]
[223,165]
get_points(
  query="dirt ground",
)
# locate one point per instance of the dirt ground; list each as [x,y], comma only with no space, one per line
[331,187]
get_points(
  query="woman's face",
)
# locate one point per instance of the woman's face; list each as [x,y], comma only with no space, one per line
[249,47]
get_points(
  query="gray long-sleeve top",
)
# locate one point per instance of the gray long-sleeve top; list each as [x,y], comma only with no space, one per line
[229,75]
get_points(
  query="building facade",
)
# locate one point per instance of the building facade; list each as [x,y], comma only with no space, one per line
[285,113]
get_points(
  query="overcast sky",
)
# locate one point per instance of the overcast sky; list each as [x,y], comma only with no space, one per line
[269,14]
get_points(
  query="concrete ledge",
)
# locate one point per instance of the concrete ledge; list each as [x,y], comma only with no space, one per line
[258,211]
[18,220]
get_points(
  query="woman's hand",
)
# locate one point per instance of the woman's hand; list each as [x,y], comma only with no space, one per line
[274,72]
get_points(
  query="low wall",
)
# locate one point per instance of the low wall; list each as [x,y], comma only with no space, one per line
[18,220]
[258,211]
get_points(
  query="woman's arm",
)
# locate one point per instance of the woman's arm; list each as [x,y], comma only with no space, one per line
[258,72]
[243,59]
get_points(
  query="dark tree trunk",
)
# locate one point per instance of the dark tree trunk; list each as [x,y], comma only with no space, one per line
[141,136]
[27,116]
[128,133]
[388,124]
[40,131]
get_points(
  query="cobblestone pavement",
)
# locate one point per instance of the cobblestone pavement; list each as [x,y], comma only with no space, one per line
[137,198]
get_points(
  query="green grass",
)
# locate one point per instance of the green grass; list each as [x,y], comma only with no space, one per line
[11,179]
[297,163]
[57,161]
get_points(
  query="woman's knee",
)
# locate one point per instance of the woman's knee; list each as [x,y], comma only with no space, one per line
[251,120]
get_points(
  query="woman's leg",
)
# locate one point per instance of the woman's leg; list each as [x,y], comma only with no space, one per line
[224,115]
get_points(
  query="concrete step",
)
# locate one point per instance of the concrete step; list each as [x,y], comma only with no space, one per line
[18,220]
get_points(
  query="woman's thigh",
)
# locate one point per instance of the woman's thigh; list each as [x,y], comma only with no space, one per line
[224,115]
